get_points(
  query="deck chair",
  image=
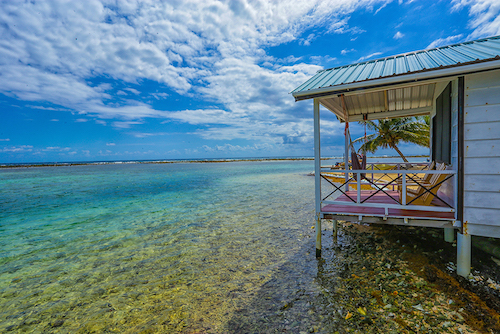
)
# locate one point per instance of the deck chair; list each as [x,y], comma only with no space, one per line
[425,179]
[426,191]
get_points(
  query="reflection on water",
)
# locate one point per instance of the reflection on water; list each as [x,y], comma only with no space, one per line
[155,248]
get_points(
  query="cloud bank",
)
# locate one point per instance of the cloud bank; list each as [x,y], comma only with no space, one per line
[55,51]
[51,51]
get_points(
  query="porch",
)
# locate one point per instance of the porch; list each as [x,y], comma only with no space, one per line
[389,193]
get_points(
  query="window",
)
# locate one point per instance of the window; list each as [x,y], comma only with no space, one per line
[441,128]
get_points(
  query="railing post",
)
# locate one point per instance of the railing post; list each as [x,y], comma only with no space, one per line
[403,191]
[358,185]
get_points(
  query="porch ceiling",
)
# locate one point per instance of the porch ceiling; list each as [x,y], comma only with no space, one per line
[386,103]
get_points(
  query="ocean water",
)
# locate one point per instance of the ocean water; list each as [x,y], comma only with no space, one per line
[155,248]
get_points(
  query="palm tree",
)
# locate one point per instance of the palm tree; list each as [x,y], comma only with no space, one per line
[389,133]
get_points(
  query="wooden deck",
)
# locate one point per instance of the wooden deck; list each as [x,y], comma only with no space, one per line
[380,212]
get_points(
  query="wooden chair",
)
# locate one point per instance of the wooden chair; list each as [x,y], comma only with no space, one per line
[426,178]
[426,189]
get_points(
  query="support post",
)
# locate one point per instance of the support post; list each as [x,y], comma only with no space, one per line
[463,238]
[449,234]
[318,236]
[463,254]
[335,228]
[347,142]
[317,175]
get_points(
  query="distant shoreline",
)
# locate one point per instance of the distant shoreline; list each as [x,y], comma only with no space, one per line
[90,163]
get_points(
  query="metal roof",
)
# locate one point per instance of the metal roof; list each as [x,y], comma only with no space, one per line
[455,55]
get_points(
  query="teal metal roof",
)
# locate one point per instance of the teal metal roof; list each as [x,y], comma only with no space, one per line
[413,62]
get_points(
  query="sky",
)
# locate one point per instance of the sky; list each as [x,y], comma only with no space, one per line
[126,80]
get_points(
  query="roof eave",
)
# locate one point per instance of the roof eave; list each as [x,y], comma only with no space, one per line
[461,69]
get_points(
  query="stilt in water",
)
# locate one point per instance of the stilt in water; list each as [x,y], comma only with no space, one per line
[318,237]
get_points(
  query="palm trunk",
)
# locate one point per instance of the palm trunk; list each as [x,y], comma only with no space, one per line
[401,154]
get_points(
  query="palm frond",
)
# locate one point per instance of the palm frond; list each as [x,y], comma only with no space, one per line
[389,133]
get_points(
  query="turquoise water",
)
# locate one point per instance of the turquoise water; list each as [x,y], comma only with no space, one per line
[183,247]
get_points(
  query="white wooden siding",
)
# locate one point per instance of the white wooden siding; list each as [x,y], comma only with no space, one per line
[481,114]
[482,154]
[481,149]
[482,131]
[481,166]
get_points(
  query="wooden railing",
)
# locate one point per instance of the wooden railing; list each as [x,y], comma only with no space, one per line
[381,179]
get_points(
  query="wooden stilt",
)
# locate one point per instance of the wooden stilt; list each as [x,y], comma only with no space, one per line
[318,237]
[335,228]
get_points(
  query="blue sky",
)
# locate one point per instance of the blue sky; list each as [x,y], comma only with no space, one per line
[121,80]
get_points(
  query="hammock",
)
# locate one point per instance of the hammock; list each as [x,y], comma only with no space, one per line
[356,164]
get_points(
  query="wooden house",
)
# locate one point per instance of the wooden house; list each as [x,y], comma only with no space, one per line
[459,86]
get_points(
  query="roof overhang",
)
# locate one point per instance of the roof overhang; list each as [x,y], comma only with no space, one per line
[398,96]
[385,103]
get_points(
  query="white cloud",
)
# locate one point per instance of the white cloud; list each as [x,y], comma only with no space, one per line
[124,124]
[485,16]
[5,139]
[307,41]
[237,148]
[54,120]
[290,59]
[345,51]
[322,59]
[148,134]
[173,152]
[342,27]
[134,91]
[369,56]
[381,7]
[110,144]
[398,35]
[47,108]
[56,149]
[17,149]
[160,96]
[444,41]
